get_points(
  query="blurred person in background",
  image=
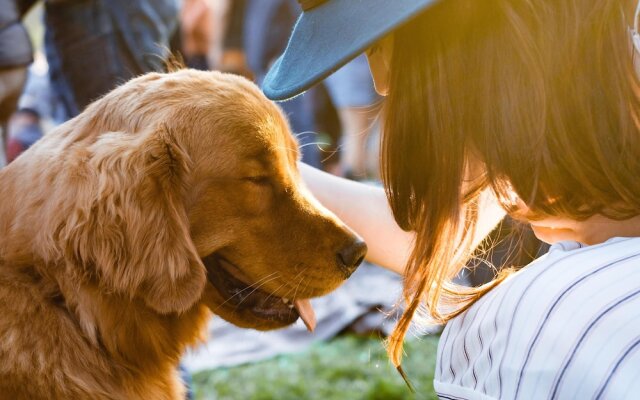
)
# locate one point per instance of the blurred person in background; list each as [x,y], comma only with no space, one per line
[233,58]
[24,129]
[92,46]
[220,18]
[354,97]
[39,109]
[196,27]
[15,56]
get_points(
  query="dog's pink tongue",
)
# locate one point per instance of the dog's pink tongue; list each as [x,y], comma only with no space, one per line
[306,313]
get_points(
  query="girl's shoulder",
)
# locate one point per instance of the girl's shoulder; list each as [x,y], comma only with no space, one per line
[567,261]
[559,326]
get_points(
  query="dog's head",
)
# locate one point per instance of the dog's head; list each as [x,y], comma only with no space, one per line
[190,192]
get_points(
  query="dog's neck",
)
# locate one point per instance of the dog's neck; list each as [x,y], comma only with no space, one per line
[127,331]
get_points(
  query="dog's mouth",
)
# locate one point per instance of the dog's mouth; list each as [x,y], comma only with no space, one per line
[230,283]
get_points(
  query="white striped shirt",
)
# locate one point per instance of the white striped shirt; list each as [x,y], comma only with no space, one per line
[565,327]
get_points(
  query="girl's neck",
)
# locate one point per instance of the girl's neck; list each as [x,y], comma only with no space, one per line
[597,229]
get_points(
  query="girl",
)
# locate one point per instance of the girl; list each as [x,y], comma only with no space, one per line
[535,106]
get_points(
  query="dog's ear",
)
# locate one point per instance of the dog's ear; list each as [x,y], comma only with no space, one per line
[132,228]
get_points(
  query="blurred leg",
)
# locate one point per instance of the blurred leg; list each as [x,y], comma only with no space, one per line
[352,93]
[357,124]
[24,129]
[11,83]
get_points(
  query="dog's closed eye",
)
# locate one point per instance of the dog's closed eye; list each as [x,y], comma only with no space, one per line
[258,180]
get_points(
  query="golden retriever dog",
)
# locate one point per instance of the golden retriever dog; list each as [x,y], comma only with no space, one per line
[173,197]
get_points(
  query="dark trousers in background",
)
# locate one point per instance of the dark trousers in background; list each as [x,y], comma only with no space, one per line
[94,45]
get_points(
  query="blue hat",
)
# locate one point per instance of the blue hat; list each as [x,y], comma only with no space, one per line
[329,34]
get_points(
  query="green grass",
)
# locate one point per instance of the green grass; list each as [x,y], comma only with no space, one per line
[346,368]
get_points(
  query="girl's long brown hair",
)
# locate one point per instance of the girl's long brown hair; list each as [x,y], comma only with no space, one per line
[541,93]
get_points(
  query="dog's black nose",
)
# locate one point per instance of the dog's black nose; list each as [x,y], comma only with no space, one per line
[351,256]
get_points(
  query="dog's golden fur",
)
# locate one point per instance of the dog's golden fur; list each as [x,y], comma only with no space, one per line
[105,223]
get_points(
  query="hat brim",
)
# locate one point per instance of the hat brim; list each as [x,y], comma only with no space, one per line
[329,36]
